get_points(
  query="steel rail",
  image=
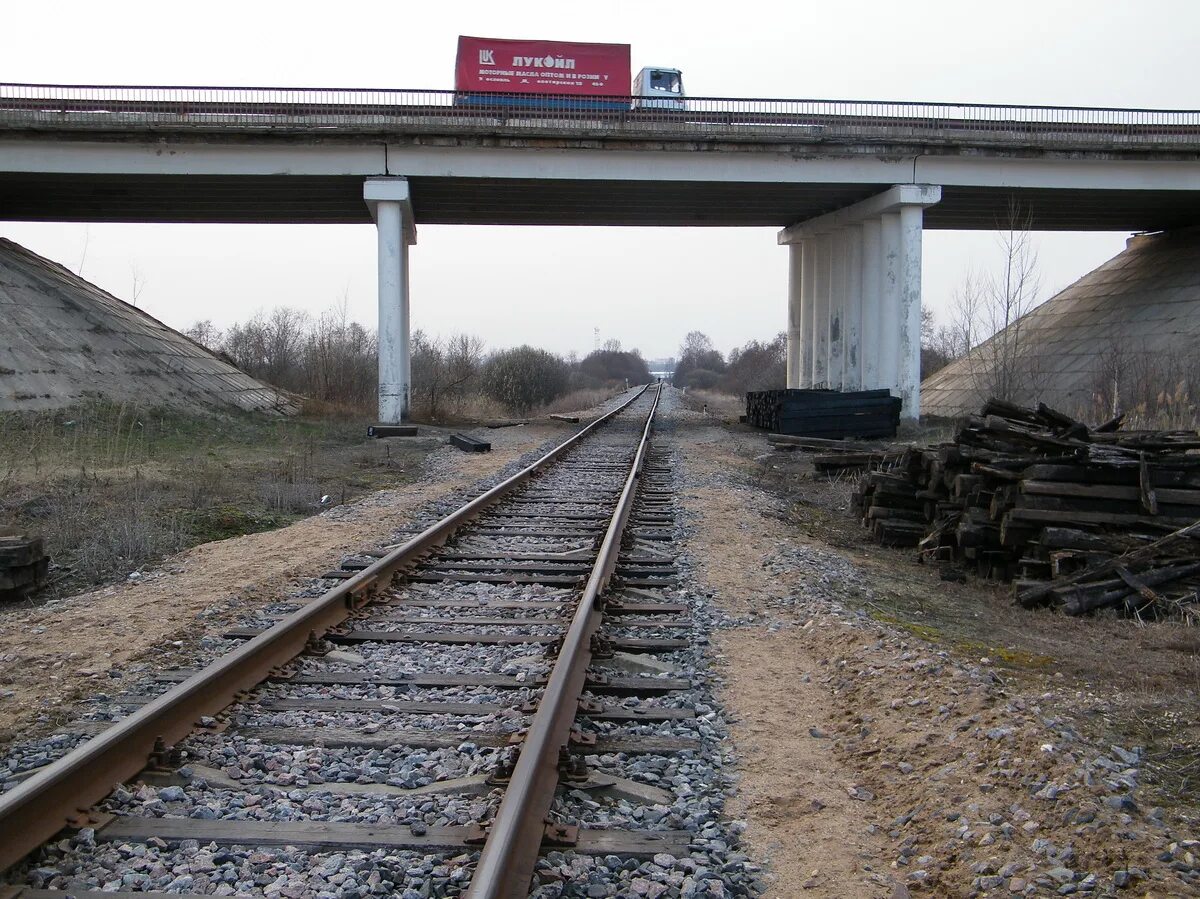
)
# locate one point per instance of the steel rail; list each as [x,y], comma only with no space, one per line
[514,837]
[61,795]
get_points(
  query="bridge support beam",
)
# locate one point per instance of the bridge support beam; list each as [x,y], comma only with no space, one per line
[808,324]
[391,208]
[866,293]
[822,270]
[852,315]
[837,308]
[795,319]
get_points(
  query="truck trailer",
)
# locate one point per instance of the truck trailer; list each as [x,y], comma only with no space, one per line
[559,75]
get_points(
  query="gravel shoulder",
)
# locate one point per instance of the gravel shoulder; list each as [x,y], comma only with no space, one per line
[897,735]
[64,650]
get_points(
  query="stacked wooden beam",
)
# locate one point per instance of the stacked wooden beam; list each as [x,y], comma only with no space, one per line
[23,564]
[1038,498]
[833,456]
[824,413]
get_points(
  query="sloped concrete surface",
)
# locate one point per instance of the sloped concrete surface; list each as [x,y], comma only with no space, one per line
[1145,300]
[65,341]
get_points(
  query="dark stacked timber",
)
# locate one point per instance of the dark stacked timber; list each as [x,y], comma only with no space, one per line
[833,456]
[23,564]
[1078,518]
[824,413]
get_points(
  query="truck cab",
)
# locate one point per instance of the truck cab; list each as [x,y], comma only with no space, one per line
[656,87]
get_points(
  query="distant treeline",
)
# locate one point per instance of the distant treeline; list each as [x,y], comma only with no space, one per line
[334,362]
[756,366]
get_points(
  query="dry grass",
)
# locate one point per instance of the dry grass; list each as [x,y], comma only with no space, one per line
[114,487]
[725,406]
[579,400]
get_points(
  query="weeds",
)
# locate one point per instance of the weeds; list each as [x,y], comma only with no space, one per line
[113,487]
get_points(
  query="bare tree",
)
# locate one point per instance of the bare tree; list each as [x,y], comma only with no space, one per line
[991,315]
[207,335]
[964,324]
[87,239]
[442,370]
[139,284]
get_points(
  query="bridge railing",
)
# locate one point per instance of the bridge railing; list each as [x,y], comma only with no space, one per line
[103,108]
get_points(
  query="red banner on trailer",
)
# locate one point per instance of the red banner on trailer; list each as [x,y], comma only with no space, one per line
[542,67]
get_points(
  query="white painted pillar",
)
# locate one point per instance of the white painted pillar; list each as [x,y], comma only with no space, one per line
[795,312]
[393,315]
[837,308]
[391,207]
[865,292]
[852,311]
[808,330]
[871,331]
[909,369]
[891,274]
[820,370]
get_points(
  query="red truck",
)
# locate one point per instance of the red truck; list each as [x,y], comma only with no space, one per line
[495,71]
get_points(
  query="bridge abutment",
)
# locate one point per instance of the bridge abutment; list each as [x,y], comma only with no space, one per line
[856,275]
[391,208]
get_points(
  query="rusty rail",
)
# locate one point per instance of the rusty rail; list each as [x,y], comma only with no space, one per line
[62,794]
[515,835]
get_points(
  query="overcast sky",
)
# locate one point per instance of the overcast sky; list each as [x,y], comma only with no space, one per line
[553,286]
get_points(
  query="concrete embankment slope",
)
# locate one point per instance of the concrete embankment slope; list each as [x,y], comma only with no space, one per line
[65,341]
[1138,312]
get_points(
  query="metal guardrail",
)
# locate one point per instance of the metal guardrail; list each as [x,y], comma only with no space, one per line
[357,110]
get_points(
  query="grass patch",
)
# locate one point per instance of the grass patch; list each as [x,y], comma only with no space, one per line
[114,487]
[924,631]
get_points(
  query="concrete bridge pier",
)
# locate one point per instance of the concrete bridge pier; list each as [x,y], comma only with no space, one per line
[865,295]
[837,308]
[391,208]
[852,315]
[795,317]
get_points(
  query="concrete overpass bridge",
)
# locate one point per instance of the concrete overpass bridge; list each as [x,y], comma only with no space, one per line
[851,184]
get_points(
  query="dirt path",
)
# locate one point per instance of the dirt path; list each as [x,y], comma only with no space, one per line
[62,651]
[877,763]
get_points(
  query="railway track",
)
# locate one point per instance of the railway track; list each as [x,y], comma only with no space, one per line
[480,696]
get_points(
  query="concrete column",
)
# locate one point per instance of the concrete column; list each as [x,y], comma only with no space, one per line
[891,274]
[866,299]
[852,311]
[795,312]
[820,369]
[837,308]
[808,330]
[871,330]
[391,208]
[908,373]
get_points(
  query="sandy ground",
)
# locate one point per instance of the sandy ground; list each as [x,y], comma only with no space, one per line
[876,762]
[57,653]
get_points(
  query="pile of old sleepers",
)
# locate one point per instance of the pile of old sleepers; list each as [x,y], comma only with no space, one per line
[23,564]
[837,456]
[824,413]
[1076,517]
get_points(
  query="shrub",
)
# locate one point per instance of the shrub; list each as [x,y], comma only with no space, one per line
[757,366]
[604,366]
[524,377]
[700,379]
